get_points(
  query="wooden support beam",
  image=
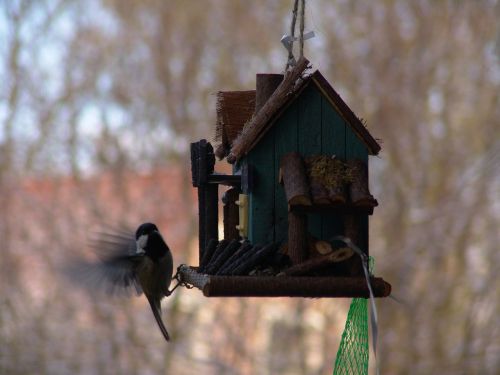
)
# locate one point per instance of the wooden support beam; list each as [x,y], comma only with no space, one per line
[202,166]
[294,178]
[297,237]
[352,230]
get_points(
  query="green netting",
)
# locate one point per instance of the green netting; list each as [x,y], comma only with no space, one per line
[353,354]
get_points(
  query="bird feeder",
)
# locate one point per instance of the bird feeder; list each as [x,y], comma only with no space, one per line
[299,182]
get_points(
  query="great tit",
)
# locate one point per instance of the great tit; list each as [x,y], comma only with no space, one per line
[143,263]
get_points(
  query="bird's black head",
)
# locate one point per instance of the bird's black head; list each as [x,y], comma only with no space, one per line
[145,229]
[150,242]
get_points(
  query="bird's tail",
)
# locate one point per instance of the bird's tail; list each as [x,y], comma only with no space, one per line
[156,307]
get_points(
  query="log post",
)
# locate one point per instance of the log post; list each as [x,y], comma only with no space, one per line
[297,237]
[202,165]
[352,230]
[265,86]
[293,174]
[231,214]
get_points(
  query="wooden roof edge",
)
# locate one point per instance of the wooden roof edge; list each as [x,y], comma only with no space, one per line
[290,88]
[346,112]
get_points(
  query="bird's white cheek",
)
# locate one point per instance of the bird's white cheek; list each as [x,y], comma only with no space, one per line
[141,244]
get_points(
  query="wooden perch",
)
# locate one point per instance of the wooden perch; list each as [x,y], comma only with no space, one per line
[319,262]
[286,286]
[358,189]
[297,237]
[293,172]
[255,129]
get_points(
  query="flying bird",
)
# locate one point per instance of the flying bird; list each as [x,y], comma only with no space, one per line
[142,263]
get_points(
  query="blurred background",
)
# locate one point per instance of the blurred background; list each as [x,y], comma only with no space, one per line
[99,101]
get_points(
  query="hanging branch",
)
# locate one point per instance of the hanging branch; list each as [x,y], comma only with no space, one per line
[292,33]
[301,36]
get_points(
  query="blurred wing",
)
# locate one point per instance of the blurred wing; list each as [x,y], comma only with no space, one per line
[115,269]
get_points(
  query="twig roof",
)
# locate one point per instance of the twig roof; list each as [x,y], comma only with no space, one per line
[291,87]
[234,109]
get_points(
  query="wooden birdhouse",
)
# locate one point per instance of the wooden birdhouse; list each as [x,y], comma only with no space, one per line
[299,184]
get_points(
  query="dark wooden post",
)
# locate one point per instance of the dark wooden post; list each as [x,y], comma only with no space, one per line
[231,214]
[265,86]
[354,231]
[293,174]
[202,165]
[297,237]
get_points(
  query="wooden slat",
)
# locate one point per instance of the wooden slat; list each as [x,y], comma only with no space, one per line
[333,129]
[342,108]
[309,137]
[285,141]
[261,202]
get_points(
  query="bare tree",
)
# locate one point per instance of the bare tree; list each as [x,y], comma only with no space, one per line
[100,101]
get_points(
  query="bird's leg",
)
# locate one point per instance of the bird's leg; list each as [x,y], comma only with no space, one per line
[175,287]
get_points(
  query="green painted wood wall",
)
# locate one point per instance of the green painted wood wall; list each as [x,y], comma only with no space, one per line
[310,125]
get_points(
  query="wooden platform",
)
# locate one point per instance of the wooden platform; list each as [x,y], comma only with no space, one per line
[283,286]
